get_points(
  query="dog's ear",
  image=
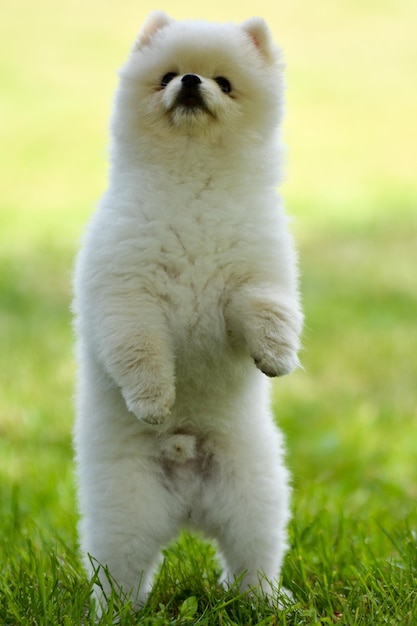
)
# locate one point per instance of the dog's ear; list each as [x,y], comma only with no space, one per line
[154,22]
[257,29]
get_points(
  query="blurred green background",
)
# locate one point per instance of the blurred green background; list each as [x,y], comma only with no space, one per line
[351,132]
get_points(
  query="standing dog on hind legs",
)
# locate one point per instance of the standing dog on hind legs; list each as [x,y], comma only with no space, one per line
[185,297]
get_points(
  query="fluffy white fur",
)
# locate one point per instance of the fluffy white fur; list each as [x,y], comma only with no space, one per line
[185,297]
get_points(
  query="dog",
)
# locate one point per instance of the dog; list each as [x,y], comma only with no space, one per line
[186,303]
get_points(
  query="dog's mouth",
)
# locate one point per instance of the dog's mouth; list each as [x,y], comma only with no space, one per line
[188,110]
[190,100]
[189,97]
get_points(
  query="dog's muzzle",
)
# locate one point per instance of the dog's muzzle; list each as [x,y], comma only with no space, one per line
[189,95]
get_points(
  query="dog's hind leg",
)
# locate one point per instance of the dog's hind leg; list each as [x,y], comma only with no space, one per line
[129,516]
[247,509]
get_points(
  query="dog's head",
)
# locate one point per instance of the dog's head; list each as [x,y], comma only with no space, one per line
[202,79]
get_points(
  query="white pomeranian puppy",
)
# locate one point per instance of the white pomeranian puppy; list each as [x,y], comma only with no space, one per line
[185,297]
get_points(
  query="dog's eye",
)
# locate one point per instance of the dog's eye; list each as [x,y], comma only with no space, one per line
[167,78]
[224,84]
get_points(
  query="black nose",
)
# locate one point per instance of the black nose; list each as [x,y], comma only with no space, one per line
[190,80]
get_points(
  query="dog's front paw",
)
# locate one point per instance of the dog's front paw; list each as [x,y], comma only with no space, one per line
[274,342]
[274,356]
[276,361]
[152,406]
[268,326]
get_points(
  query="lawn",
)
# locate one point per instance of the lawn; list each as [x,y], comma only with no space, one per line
[349,415]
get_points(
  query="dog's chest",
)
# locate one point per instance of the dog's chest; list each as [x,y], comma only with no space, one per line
[192,286]
[191,275]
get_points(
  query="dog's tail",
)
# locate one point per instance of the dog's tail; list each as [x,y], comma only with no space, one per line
[179,448]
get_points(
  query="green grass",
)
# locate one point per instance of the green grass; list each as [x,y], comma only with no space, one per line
[349,416]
